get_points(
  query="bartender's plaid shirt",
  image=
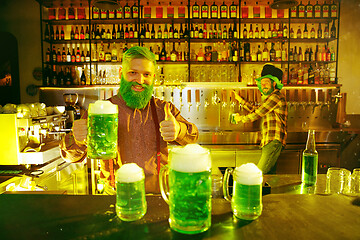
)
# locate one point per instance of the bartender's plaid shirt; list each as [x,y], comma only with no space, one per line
[274,113]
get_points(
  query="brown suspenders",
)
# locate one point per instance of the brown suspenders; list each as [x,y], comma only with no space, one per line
[157,131]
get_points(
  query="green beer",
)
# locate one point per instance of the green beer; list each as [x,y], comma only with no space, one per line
[102,130]
[309,161]
[130,192]
[246,202]
[187,188]
[190,201]
[309,168]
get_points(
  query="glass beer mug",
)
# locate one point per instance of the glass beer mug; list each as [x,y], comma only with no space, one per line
[130,192]
[246,200]
[187,189]
[102,130]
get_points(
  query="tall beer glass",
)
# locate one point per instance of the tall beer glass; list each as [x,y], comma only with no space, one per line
[246,200]
[188,188]
[102,130]
[130,192]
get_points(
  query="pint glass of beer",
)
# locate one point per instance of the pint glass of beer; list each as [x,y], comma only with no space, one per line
[246,200]
[130,192]
[188,188]
[102,130]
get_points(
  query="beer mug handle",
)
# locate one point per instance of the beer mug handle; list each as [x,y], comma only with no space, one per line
[227,174]
[164,186]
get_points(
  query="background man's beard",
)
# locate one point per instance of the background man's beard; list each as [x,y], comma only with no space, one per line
[134,99]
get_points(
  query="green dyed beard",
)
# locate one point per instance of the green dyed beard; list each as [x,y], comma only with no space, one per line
[134,99]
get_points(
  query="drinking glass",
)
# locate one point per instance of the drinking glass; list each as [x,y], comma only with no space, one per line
[355,181]
[337,180]
[185,184]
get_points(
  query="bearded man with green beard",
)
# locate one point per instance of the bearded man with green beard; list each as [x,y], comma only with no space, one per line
[273,112]
[145,125]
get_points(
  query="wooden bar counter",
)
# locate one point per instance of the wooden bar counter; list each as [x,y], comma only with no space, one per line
[285,216]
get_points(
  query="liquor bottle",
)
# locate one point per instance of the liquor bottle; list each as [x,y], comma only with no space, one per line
[87,33]
[204,11]
[165,34]
[219,34]
[259,54]
[274,32]
[113,32]
[157,53]
[325,10]
[122,32]
[309,10]
[333,30]
[87,57]
[111,14]
[126,33]
[284,56]
[251,32]
[332,73]
[262,32]
[201,33]
[205,35]
[280,31]
[235,32]
[293,12]
[58,56]
[298,33]
[77,56]
[309,161]
[114,53]
[186,32]
[81,12]
[245,35]
[244,11]
[163,53]
[195,10]
[181,10]
[256,10]
[83,77]
[223,11]
[292,34]
[233,11]
[319,32]
[53,81]
[326,31]
[317,56]
[95,13]
[47,32]
[317,10]
[108,54]
[333,10]
[170,11]
[291,55]
[295,55]
[57,33]
[265,53]
[171,32]
[214,11]
[108,34]
[135,11]
[300,55]
[196,31]
[269,32]
[224,33]
[311,75]
[119,12]
[61,12]
[103,14]
[131,31]
[127,11]
[63,55]
[256,33]
[159,33]
[82,33]
[272,53]
[173,54]
[147,31]
[68,56]
[327,75]
[76,34]
[101,53]
[277,53]
[215,32]
[285,31]
[62,33]
[312,32]
[301,10]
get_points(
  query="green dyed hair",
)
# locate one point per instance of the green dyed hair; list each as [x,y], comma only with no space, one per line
[137,52]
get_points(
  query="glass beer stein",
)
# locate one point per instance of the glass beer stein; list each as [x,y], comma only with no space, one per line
[246,200]
[102,130]
[187,189]
[130,192]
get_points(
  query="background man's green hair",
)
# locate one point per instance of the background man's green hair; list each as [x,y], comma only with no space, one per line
[137,52]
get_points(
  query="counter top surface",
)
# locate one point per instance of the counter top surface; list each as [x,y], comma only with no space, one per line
[285,216]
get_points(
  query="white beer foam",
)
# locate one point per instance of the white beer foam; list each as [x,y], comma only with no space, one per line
[102,107]
[248,174]
[129,172]
[191,158]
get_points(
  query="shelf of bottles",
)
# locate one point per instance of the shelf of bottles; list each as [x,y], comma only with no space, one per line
[85,44]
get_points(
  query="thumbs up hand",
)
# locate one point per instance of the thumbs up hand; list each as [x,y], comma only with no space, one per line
[169,128]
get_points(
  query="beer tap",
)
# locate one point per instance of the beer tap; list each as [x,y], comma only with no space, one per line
[197,99]
[180,99]
[206,103]
[223,98]
[232,101]
[189,99]
[215,98]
